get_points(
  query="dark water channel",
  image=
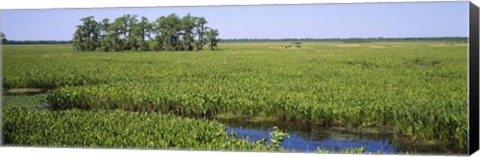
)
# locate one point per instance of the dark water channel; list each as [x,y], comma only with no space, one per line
[306,138]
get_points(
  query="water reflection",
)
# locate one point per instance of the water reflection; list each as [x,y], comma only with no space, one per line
[306,138]
[302,144]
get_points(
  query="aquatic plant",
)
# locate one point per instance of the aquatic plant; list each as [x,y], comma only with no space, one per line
[116,129]
[416,89]
[276,138]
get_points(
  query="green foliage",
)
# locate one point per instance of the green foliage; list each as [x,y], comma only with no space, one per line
[116,129]
[86,37]
[200,30]
[142,32]
[212,38]
[276,138]
[418,89]
[27,101]
[105,39]
[127,33]
[120,129]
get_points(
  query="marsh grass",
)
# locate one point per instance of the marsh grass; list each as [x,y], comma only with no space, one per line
[417,89]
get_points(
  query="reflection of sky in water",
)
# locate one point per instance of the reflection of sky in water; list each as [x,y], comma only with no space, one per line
[301,144]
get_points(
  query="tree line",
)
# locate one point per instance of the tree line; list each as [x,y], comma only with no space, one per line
[33,42]
[4,41]
[127,33]
[374,39]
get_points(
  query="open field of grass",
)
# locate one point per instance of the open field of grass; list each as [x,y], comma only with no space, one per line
[418,89]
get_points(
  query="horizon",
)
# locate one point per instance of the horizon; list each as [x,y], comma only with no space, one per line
[275,39]
[315,21]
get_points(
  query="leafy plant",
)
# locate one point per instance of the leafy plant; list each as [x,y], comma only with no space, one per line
[276,138]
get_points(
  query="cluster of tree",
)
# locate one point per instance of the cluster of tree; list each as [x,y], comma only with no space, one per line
[166,33]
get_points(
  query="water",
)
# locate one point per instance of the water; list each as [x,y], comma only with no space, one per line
[302,144]
[306,138]
[305,144]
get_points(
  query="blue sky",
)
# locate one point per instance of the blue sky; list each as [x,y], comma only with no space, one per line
[424,19]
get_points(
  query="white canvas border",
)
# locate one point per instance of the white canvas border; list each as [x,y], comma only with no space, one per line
[80,152]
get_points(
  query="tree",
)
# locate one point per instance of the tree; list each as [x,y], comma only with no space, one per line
[168,28]
[103,28]
[131,42]
[187,26]
[212,38]
[156,43]
[3,38]
[142,32]
[105,40]
[161,33]
[86,37]
[123,31]
[117,33]
[201,29]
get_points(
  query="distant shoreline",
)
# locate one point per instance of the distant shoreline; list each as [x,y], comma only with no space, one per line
[354,40]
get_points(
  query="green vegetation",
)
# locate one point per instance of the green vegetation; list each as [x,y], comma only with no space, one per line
[117,129]
[276,138]
[418,89]
[126,33]
[25,101]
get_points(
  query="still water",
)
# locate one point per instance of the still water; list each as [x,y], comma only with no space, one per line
[309,144]
[305,138]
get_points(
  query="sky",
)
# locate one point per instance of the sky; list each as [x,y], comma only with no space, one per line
[361,20]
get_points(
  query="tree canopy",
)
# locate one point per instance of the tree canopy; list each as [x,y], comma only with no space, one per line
[3,38]
[128,33]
